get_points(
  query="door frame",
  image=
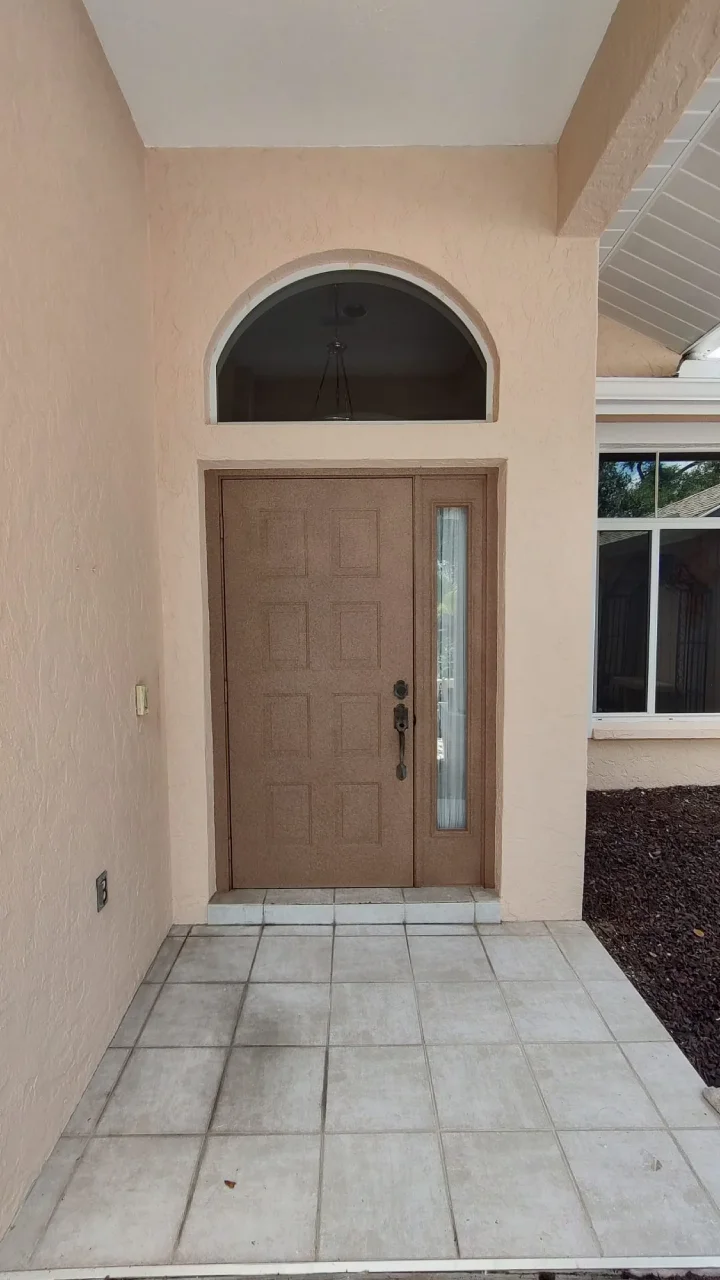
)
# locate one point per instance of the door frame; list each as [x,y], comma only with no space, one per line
[483,700]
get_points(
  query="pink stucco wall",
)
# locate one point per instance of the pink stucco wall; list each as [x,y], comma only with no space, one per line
[625,353]
[82,780]
[484,221]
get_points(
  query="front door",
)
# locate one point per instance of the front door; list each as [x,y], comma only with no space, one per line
[318,595]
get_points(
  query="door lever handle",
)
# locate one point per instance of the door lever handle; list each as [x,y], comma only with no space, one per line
[401,721]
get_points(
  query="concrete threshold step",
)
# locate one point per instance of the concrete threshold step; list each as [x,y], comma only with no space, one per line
[464,905]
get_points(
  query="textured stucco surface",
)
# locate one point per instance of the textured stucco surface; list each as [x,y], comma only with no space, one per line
[82,781]
[623,353]
[655,55]
[483,220]
[617,765]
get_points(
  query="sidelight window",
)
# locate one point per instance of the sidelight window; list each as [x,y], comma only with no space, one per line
[657,649]
[451,597]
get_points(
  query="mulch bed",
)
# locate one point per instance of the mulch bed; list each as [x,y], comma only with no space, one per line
[652,896]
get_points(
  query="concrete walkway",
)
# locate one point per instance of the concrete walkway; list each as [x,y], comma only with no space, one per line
[380,1093]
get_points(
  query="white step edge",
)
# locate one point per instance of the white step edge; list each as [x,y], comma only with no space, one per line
[649,1265]
[480,910]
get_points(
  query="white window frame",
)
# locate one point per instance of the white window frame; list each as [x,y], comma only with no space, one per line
[644,438]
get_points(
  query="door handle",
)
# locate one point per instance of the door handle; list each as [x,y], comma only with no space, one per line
[401,721]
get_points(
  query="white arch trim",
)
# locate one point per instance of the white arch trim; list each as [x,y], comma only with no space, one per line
[245,309]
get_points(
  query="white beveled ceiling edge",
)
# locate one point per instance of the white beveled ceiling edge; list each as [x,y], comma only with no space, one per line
[238,73]
[660,397]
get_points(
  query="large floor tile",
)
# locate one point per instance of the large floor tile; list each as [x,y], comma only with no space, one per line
[271,1090]
[193,1014]
[225,931]
[443,893]
[20,1240]
[513,929]
[673,1084]
[448,959]
[255,1201]
[214,960]
[464,1013]
[585,952]
[626,1013]
[485,1087]
[300,897]
[355,897]
[642,1198]
[124,1204]
[164,960]
[548,1011]
[371,960]
[702,1149]
[378,1090]
[513,1197]
[441,930]
[298,931]
[298,906]
[527,959]
[134,1020]
[89,1108]
[374,1013]
[293,959]
[369,906]
[383,1197]
[164,1091]
[590,1086]
[370,931]
[285,1013]
[445,905]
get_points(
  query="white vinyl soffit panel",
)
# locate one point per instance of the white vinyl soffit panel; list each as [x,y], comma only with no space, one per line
[660,257]
[313,73]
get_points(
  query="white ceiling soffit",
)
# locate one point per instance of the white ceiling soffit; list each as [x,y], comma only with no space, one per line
[312,73]
[660,257]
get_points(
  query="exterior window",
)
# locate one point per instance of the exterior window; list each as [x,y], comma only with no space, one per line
[451,598]
[657,647]
[622,634]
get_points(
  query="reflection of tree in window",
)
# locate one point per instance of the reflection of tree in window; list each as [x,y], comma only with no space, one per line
[626,486]
[688,486]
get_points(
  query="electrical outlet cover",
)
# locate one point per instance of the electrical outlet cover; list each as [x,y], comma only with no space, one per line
[101,890]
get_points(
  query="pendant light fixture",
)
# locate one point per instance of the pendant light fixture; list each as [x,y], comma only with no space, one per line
[335,368]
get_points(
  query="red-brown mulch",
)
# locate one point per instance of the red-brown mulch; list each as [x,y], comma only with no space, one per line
[652,896]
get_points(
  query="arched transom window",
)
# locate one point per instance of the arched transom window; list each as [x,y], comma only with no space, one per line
[351,345]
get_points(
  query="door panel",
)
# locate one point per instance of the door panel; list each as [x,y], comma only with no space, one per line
[318,597]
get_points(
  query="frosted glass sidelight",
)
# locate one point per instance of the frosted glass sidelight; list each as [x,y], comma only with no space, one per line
[451,598]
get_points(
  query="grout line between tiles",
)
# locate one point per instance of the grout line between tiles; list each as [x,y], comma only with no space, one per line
[323,1105]
[714,1201]
[204,1139]
[553,1129]
[313,1133]
[436,1113]
[121,1073]
[618,1043]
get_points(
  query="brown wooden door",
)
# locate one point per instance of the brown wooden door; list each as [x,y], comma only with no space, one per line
[318,588]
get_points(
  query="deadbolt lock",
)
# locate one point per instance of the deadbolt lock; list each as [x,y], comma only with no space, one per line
[401,689]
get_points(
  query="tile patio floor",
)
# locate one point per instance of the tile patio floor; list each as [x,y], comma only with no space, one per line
[382,1093]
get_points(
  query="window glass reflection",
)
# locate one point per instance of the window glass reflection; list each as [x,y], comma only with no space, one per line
[626,485]
[451,599]
[689,487]
[622,638]
[688,652]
